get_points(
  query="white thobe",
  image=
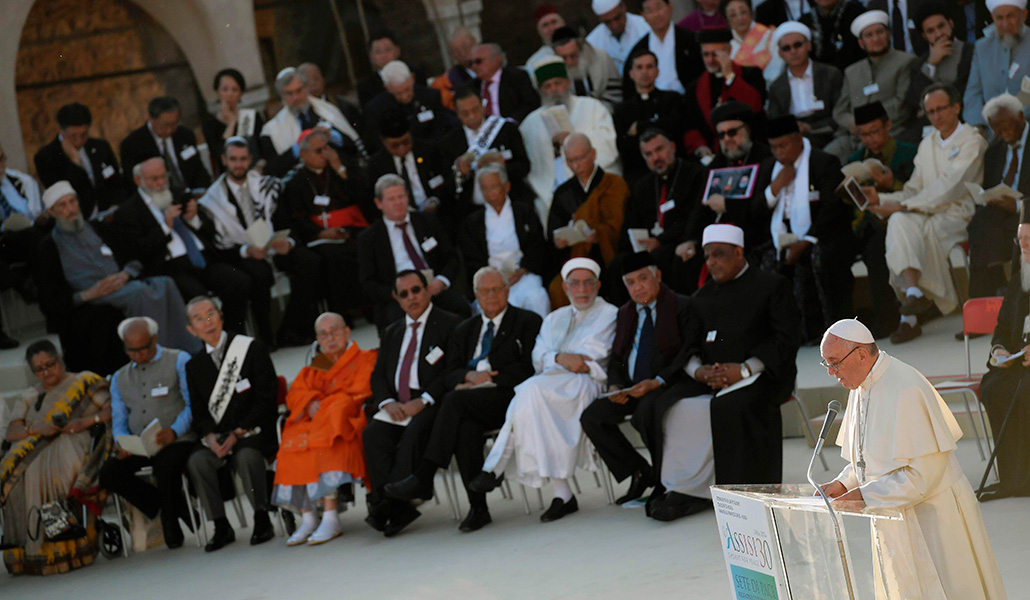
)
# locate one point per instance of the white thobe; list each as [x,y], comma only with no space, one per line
[589,117]
[619,47]
[938,209]
[541,431]
[899,427]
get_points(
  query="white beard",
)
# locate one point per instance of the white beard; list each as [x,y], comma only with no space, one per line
[70,226]
[161,199]
[1024,274]
[301,110]
[558,98]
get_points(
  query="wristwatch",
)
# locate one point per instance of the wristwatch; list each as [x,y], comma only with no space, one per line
[745,371]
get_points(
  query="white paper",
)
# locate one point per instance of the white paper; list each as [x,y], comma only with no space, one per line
[1024,91]
[16,222]
[860,170]
[616,392]
[635,237]
[144,444]
[384,416]
[982,196]
[557,120]
[574,233]
[259,233]
[997,362]
[740,384]
[483,386]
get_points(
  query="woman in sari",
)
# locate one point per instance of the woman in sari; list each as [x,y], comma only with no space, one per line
[52,458]
[752,44]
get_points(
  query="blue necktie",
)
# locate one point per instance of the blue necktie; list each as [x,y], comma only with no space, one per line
[642,365]
[192,251]
[488,340]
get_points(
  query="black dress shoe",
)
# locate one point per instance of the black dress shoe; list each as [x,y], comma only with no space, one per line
[906,333]
[172,531]
[485,482]
[376,522]
[409,488]
[289,521]
[641,481]
[916,306]
[223,536]
[676,506]
[558,509]
[400,519]
[478,517]
[263,530]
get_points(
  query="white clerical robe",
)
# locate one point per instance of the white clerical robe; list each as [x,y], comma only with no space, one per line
[900,429]
[284,129]
[541,431]
[938,209]
[588,117]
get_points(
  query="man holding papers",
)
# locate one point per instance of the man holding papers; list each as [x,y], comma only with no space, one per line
[152,387]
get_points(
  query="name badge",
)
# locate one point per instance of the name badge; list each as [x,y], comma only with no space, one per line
[188,152]
[428,244]
[813,196]
[911,24]
[159,391]
[506,154]
[321,200]
[106,251]
[242,385]
[711,336]
[871,89]
[818,105]
[669,205]
[1012,70]
[426,115]
[107,172]
[436,182]
[434,355]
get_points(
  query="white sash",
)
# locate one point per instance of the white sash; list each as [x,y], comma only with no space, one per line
[228,376]
[487,134]
[229,231]
[284,129]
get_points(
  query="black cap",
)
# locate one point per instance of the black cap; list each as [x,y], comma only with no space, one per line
[394,123]
[637,261]
[714,36]
[781,126]
[732,111]
[867,113]
[563,35]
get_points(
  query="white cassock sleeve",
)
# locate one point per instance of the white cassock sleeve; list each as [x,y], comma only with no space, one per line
[908,485]
[848,477]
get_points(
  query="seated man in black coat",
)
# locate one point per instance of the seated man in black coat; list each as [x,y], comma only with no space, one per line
[163,137]
[233,391]
[506,91]
[495,347]
[426,114]
[407,383]
[87,163]
[647,357]
[404,240]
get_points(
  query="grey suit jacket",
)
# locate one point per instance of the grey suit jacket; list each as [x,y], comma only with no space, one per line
[891,76]
[953,70]
[995,69]
[827,82]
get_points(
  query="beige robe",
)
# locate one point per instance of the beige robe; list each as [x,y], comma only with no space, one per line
[938,209]
[900,426]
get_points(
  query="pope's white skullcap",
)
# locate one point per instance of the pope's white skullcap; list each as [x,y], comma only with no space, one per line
[602,6]
[993,4]
[56,192]
[580,263]
[791,27]
[852,330]
[869,17]
[722,234]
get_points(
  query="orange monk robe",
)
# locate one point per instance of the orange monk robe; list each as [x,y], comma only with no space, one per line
[331,441]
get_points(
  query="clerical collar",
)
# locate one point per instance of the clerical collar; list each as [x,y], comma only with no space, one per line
[221,343]
[645,96]
[421,319]
[315,171]
[157,356]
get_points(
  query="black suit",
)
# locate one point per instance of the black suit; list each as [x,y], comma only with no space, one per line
[919,45]
[663,110]
[509,143]
[252,407]
[688,59]
[602,418]
[392,452]
[377,267]
[829,52]
[465,415]
[427,116]
[774,12]
[827,83]
[139,146]
[371,86]
[992,228]
[433,174]
[53,165]
[516,95]
[476,252]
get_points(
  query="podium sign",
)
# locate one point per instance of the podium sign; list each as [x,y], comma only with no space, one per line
[749,547]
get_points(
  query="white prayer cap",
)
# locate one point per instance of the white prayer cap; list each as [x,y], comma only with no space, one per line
[791,27]
[56,192]
[580,263]
[869,17]
[602,6]
[993,4]
[852,330]
[720,233]
[124,325]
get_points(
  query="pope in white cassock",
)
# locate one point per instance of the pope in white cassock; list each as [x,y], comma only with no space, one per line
[542,131]
[542,436]
[898,437]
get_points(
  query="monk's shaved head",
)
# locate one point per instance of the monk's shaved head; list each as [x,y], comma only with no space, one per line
[577,142]
[328,319]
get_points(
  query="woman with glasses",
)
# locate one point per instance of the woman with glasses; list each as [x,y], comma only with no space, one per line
[53,458]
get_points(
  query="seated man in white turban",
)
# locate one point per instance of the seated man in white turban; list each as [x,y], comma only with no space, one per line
[542,436]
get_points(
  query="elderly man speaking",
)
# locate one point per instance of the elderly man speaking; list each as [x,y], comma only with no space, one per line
[899,437]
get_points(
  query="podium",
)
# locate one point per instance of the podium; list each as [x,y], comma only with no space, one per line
[779,543]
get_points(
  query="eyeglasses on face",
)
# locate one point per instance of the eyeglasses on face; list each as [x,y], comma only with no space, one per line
[43,368]
[789,47]
[728,133]
[415,289]
[836,366]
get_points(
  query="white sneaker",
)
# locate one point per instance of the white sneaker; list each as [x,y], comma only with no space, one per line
[325,532]
[301,535]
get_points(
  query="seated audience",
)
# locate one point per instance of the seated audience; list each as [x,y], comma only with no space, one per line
[947,60]
[321,440]
[679,56]
[507,236]
[461,43]
[493,347]
[163,137]
[706,16]
[753,43]
[547,20]
[929,215]
[541,436]
[315,87]
[647,358]
[1001,59]
[24,225]
[833,43]
[151,387]
[506,91]
[617,32]
[234,389]
[407,383]
[382,49]
[427,117]
[592,71]
[231,120]
[85,162]
[53,457]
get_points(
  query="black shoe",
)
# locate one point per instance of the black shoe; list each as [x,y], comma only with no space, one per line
[641,481]
[172,532]
[345,494]
[478,517]
[7,342]
[676,506]
[558,509]
[916,306]
[289,521]
[224,535]
[376,522]
[906,333]
[263,530]
[409,488]
[485,482]
[400,519]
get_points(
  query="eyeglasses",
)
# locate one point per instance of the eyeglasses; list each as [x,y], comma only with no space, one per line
[417,289]
[477,61]
[836,366]
[43,368]
[728,133]
[140,349]
[789,47]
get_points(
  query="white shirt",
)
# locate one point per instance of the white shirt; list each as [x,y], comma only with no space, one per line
[802,93]
[401,261]
[501,236]
[83,161]
[219,346]
[418,193]
[945,141]
[484,365]
[416,339]
[492,86]
[668,78]
[176,247]
[619,47]
[165,146]
[477,192]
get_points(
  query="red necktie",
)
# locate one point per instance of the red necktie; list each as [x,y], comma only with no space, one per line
[404,379]
[410,248]
[661,202]
[489,106]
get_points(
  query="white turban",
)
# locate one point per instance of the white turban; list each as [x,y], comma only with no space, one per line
[56,192]
[719,233]
[852,330]
[580,263]
[790,27]
[869,17]
[993,4]
[602,6]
